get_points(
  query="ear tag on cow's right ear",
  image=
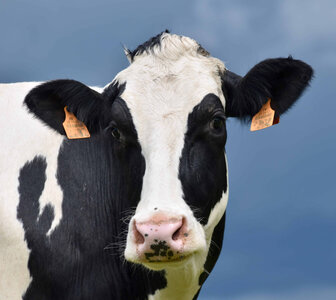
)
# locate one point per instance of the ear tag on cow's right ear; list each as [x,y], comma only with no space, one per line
[74,128]
[264,118]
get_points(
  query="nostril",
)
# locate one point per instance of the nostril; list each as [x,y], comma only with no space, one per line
[176,235]
[138,237]
[181,231]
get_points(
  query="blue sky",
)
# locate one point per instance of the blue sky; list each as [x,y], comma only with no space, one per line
[280,235]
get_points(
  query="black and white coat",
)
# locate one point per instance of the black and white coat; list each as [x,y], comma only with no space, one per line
[76,215]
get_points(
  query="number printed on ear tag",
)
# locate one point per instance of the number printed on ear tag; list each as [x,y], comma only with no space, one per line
[74,128]
[264,118]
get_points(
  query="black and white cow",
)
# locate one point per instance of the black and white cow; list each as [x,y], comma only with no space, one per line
[136,211]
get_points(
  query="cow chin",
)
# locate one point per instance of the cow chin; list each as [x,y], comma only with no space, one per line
[190,259]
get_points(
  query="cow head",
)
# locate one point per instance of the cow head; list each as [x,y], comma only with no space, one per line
[172,103]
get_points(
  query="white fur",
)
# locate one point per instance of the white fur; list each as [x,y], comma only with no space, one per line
[22,138]
[162,88]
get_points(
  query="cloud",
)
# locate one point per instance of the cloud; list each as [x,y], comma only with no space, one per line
[309,21]
[219,19]
[299,294]
[310,26]
[306,29]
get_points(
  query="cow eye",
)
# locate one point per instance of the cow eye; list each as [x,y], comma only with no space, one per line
[217,124]
[115,133]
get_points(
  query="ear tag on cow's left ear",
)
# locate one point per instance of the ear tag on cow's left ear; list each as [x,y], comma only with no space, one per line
[264,118]
[74,128]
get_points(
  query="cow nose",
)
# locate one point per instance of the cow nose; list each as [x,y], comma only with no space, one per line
[160,238]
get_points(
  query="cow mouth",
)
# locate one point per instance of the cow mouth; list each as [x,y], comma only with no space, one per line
[179,258]
[159,264]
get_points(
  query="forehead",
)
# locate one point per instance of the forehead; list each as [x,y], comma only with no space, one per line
[170,79]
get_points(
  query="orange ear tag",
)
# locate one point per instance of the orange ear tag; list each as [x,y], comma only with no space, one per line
[264,118]
[74,128]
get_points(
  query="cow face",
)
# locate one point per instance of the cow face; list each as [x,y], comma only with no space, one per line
[172,102]
[180,122]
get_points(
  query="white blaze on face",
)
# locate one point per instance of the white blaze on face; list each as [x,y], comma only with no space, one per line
[162,88]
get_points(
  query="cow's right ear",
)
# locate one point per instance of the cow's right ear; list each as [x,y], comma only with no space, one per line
[47,102]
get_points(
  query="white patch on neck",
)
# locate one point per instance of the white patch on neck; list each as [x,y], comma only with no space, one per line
[52,193]
[182,283]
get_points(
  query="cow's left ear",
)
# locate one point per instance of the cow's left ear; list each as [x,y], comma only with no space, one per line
[47,102]
[281,79]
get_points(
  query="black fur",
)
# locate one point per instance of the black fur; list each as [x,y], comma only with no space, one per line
[281,79]
[113,91]
[148,45]
[202,165]
[101,180]
[95,174]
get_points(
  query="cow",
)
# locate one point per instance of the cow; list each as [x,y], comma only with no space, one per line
[137,210]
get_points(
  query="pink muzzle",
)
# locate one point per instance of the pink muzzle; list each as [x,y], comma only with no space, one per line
[161,238]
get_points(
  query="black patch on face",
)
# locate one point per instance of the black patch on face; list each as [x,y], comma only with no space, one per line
[202,168]
[101,180]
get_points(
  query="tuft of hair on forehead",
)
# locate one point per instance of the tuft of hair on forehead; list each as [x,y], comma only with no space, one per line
[166,45]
